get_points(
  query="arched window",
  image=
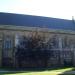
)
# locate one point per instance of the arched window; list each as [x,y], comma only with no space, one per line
[53,42]
[20,41]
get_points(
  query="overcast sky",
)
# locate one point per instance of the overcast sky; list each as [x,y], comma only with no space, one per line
[52,8]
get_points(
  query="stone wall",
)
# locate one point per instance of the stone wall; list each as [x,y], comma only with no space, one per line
[69,43]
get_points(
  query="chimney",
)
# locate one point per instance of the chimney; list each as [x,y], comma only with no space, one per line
[73,19]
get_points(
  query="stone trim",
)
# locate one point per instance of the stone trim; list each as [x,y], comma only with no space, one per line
[25,28]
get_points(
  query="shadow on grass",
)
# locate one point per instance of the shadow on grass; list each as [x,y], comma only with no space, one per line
[69,72]
[8,71]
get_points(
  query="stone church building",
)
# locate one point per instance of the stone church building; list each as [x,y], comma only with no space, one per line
[59,33]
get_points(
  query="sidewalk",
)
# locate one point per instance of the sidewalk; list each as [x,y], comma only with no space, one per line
[69,72]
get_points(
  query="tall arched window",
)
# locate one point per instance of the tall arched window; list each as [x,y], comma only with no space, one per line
[7,46]
[7,42]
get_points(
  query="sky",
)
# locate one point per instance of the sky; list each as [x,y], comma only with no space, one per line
[64,9]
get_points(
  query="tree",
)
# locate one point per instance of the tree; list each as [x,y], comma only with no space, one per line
[33,48]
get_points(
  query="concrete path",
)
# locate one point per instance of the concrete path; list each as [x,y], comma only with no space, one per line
[69,72]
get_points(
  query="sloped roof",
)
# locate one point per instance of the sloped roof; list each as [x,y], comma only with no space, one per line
[36,21]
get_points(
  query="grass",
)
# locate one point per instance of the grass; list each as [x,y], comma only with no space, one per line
[55,71]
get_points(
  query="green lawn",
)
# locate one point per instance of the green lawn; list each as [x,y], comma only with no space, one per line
[40,72]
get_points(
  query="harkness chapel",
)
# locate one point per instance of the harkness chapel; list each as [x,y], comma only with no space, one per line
[59,35]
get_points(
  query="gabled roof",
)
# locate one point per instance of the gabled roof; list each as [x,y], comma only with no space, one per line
[36,21]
